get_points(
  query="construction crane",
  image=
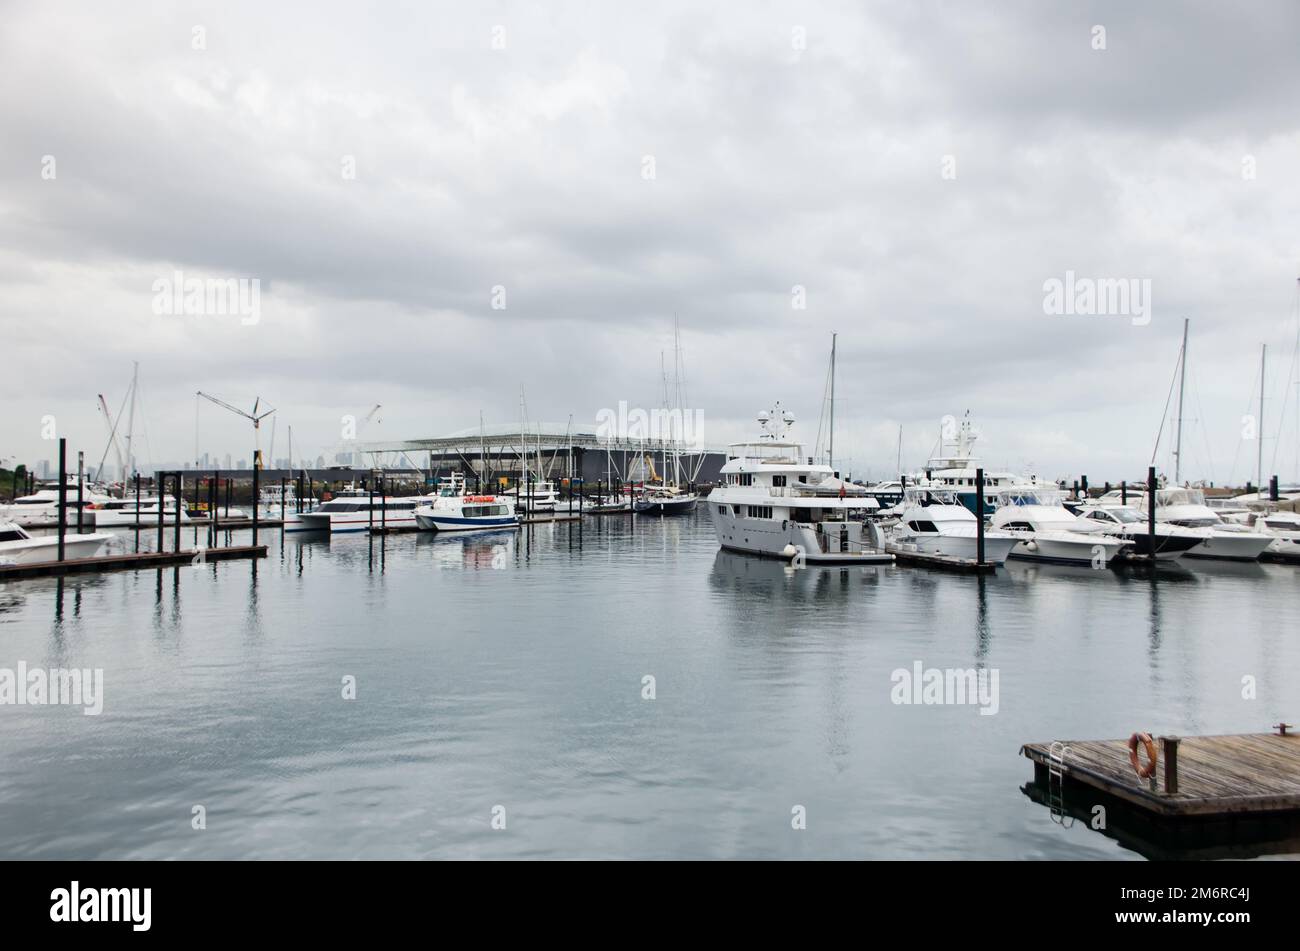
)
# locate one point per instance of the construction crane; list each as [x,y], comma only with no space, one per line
[254,416]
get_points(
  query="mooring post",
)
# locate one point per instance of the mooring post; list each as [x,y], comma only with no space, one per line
[1083,484]
[370,485]
[383,503]
[161,479]
[1123,493]
[1151,510]
[257,489]
[81,496]
[979,516]
[1169,750]
[138,526]
[282,503]
[581,493]
[1272,489]
[63,491]
[180,499]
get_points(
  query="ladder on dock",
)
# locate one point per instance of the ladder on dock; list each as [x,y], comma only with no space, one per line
[1056,784]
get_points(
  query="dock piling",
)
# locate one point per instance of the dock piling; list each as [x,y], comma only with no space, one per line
[81,487]
[63,491]
[1169,749]
[979,516]
[1151,509]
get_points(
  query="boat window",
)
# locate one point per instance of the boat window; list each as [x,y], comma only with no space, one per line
[744,478]
[920,526]
[722,510]
[10,537]
[778,482]
[1020,526]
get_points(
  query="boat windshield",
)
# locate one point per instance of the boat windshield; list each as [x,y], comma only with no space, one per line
[1180,497]
[1125,514]
[1049,497]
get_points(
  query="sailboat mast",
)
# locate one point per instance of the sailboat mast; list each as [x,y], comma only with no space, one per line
[831,457]
[1259,430]
[1182,385]
[130,423]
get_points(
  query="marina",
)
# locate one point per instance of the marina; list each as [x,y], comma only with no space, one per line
[687,432]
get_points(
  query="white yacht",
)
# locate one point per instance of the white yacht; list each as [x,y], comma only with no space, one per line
[537,497]
[1050,532]
[452,509]
[1186,508]
[955,468]
[358,514]
[124,512]
[934,521]
[17,547]
[774,501]
[41,508]
[1127,523]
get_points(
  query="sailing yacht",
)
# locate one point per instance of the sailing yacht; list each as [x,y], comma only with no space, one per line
[774,501]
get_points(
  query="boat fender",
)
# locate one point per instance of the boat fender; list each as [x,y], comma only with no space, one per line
[1149,770]
[789,551]
[1031,546]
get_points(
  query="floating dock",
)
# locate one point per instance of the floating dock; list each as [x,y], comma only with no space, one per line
[148,559]
[1209,776]
[947,562]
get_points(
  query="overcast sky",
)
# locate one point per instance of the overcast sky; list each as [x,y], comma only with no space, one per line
[920,170]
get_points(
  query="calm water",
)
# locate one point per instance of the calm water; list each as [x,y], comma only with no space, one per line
[494,672]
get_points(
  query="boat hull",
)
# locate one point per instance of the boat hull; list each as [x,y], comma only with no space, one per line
[451,523]
[46,548]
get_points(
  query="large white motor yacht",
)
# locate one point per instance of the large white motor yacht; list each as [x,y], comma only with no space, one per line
[774,501]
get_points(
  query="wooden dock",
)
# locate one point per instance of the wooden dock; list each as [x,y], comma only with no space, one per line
[135,560]
[1215,776]
[946,562]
